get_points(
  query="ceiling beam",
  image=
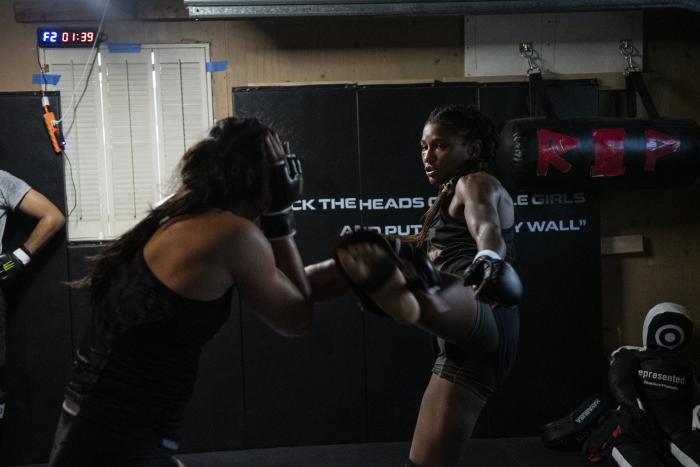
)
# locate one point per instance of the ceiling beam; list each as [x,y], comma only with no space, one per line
[45,11]
[161,10]
[267,8]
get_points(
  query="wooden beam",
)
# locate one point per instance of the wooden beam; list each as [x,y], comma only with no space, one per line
[43,11]
[350,83]
[606,81]
[161,10]
[622,244]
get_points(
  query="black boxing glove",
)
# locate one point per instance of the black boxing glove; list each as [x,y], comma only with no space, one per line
[286,185]
[13,264]
[622,376]
[494,279]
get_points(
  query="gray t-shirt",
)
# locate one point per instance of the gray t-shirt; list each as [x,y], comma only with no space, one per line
[12,190]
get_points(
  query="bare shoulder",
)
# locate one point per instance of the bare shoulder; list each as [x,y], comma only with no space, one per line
[228,229]
[209,231]
[242,242]
[478,184]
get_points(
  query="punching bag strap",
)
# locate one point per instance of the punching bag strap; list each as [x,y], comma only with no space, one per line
[539,98]
[635,84]
[631,96]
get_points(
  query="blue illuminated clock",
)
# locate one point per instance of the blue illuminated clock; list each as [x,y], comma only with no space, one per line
[66,37]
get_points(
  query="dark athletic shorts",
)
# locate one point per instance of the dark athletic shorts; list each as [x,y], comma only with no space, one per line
[489,355]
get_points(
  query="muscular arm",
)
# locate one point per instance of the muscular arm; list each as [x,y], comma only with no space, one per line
[271,279]
[288,260]
[480,195]
[50,219]
[326,281]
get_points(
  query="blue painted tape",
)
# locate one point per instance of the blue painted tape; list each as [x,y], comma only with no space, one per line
[123,48]
[213,67]
[42,78]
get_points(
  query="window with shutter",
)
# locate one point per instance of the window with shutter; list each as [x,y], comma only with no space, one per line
[132,117]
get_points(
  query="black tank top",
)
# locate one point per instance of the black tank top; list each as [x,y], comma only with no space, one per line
[136,369]
[456,245]
[457,251]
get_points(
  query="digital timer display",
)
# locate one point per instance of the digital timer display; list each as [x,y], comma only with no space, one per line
[66,37]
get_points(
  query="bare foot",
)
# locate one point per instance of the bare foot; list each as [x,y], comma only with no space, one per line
[357,260]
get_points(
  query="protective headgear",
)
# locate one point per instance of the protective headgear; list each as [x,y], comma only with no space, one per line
[668,326]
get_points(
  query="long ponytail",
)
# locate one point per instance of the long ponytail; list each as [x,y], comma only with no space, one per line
[224,171]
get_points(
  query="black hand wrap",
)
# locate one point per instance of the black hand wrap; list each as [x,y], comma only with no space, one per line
[496,281]
[286,184]
[278,225]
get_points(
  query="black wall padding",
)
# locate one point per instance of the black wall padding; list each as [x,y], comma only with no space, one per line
[559,350]
[79,266]
[572,98]
[309,390]
[38,333]
[399,358]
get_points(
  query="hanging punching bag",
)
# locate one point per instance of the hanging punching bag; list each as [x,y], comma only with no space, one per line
[582,153]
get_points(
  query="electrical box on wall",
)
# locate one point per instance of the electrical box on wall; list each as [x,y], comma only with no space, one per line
[563,43]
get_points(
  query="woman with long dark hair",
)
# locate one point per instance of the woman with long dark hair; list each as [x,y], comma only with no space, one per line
[466,238]
[163,289]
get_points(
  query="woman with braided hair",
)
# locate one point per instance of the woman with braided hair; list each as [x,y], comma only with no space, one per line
[463,291]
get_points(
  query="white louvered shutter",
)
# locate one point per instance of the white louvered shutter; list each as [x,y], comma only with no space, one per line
[130,137]
[184,106]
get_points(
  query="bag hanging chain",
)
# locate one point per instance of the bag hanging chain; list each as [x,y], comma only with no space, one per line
[628,50]
[527,52]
